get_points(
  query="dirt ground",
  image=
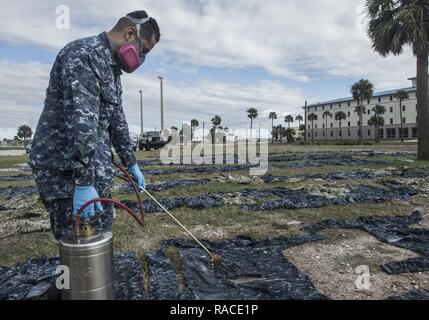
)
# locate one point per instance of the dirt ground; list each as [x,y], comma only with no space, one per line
[331,264]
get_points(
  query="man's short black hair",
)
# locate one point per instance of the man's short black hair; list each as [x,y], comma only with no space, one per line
[149,29]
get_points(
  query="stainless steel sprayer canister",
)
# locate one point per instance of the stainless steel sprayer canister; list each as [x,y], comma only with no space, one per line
[87,251]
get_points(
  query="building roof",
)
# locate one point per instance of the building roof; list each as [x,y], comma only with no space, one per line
[377,94]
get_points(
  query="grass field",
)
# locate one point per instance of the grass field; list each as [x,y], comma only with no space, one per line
[319,260]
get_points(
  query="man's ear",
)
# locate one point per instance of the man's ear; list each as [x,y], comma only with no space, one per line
[131,33]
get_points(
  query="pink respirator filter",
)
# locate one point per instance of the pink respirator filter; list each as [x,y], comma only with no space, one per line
[130,55]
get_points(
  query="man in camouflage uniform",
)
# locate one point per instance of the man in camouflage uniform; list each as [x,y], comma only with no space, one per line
[71,154]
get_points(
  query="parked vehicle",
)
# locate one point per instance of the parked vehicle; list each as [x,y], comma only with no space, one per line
[152,140]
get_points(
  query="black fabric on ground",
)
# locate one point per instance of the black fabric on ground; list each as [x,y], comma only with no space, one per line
[34,278]
[129,282]
[417,264]
[31,279]
[411,295]
[396,231]
[250,269]
[163,282]
[173,183]
[287,198]
[18,177]
[297,199]
[17,191]
[197,202]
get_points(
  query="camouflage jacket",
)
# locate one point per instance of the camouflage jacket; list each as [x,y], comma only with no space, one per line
[83,114]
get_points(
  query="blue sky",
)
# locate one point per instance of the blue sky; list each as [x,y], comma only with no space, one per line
[217,57]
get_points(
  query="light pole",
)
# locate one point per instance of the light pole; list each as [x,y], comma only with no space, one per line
[162,103]
[141,114]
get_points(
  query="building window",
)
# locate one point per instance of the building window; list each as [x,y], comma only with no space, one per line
[403,133]
[332,133]
[381,133]
[323,108]
[331,107]
[404,120]
[348,104]
[315,126]
[332,125]
[379,99]
[391,109]
[309,127]
[369,111]
[391,98]
[358,123]
[309,134]
[391,133]
[403,108]
[341,134]
[323,126]
[339,105]
[323,134]
[349,133]
[369,132]
[315,134]
[369,101]
[349,124]
[391,120]
[348,114]
[315,108]
[414,132]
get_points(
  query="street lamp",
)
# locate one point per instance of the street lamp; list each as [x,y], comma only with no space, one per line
[162,103]
[141,114]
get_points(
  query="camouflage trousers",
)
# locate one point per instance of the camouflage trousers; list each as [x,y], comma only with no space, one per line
[56,191]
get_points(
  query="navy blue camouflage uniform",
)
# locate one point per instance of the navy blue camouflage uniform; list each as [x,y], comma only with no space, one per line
[81,120]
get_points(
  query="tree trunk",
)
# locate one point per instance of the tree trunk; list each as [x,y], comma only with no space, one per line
[375,133]
[341,135]
[326,130]
[272,130]
[422,106]
[360,125]
[401,134]
[312,132]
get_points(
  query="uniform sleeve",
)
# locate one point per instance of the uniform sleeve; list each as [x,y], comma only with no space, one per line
[121,137]
[81,111]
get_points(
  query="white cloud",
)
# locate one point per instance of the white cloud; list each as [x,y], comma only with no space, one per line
[294,39]
[23,86]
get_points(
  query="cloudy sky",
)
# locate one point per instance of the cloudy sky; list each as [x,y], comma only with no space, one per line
[217,57]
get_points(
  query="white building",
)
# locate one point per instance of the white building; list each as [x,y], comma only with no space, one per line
[350,126]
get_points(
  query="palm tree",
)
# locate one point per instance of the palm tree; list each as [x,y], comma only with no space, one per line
[272,116]
[252,113]
[216,120]
[378,122]
[326,115]
[282,132]
[299,118]
[312,117]
[288,120]
[401,95]
[393,25]
[361,90]
[194,124]
[340,116]
[290,135]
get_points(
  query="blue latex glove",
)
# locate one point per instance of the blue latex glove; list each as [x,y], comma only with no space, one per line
[134,170]
[84,194]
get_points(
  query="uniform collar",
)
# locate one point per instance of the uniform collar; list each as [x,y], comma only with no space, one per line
[108,49]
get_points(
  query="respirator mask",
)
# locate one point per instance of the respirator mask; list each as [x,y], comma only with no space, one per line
[131,56]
